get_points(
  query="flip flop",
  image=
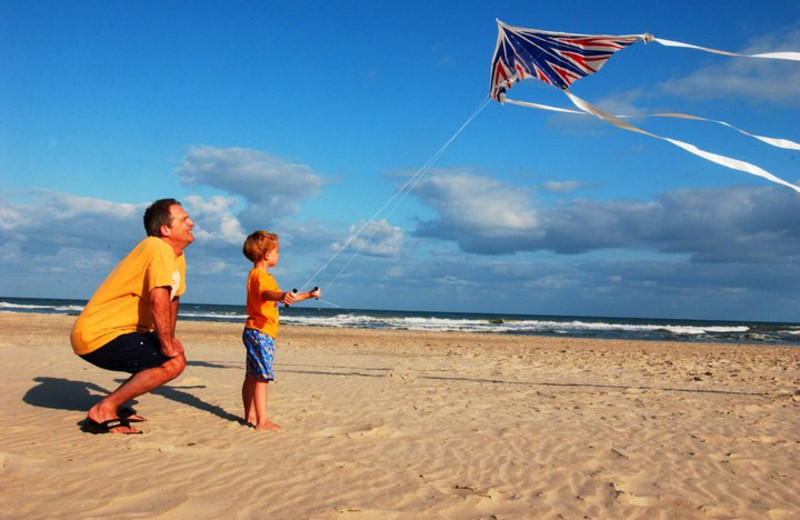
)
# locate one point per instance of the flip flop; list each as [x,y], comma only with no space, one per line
[94,427]
[130,415]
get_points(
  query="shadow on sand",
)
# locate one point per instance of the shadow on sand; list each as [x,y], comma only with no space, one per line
[64,394]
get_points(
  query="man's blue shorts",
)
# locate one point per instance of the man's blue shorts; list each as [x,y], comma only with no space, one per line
[130,353]
[260,354]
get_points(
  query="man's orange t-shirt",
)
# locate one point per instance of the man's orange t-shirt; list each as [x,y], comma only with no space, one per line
[121,304]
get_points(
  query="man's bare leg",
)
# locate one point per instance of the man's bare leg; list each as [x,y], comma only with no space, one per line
[138,384]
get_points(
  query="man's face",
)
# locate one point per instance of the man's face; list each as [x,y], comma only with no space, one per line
[179,232]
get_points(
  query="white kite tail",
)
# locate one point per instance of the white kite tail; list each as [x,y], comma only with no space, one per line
[780,55]
[772,141]
[722,160]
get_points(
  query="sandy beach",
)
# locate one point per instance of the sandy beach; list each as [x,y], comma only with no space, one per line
[407,425]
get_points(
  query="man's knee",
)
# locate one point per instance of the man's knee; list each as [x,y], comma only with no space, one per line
[175,366]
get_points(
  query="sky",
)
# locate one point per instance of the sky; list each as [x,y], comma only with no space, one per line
[350,129]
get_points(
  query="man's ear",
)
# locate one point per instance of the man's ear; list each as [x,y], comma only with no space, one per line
[164,230]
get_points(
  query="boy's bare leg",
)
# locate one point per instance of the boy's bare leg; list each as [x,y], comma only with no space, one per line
[138,384]
[260,401]
[248,387]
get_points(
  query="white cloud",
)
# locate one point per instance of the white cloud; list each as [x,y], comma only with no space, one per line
[272,186]
[214,219]
[46,219]
[485,216]
[479,202]
[377,238]
[480,213]
[665,251]
[71,259]
[758,80]
[563,187]
[9,217]
[67,206]
[10,252]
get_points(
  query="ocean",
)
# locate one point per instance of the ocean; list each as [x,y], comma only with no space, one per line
[531,325]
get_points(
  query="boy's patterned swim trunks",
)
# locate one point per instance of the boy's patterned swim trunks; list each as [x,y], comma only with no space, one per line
[260,353]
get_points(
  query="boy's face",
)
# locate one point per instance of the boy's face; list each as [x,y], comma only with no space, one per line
[271,256]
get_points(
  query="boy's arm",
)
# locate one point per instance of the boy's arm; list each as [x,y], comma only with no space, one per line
[315,293]
[287,298]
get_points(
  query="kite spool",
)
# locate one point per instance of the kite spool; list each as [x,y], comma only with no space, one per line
[312,290]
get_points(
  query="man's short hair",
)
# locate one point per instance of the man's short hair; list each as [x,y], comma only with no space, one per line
[157,215]
[258,243]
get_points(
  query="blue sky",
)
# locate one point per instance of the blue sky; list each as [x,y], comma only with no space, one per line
[305,118]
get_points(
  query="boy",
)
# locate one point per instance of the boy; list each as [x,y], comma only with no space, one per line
[261,328]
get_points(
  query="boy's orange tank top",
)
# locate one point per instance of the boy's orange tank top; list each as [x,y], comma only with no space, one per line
[262,314]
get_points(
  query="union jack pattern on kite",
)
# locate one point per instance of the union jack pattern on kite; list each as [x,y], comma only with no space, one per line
[560,59]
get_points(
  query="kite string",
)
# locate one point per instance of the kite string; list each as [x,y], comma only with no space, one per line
[400,195]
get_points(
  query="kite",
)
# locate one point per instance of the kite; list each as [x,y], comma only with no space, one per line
[560,59]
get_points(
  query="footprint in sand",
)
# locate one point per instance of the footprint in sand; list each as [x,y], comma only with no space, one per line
[190,381]
[365,513]
[490,494]
[370,431]
[404,377]
[636,491]
[356,432]
[210,443]
[152,446]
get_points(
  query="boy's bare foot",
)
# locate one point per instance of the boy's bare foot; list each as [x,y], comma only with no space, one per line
[268,426]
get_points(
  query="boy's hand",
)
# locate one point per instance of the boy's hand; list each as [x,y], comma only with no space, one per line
[316,293]
[289,297]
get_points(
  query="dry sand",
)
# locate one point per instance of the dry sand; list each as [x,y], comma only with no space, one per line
[395,424]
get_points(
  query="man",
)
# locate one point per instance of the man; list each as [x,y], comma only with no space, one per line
[129,323]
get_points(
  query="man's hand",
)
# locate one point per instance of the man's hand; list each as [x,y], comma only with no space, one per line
[174,349]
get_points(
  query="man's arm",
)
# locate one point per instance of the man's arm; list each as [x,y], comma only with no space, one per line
[174,313]
[165,314]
